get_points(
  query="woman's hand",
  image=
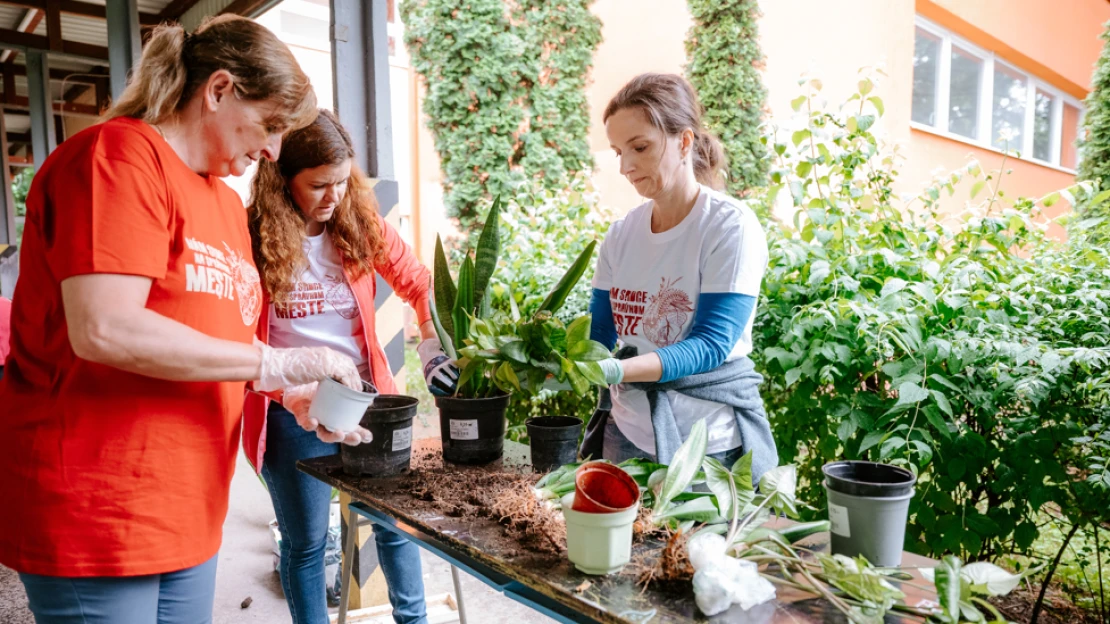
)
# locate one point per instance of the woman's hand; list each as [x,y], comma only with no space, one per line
[283,368]
[440,372]
[299,398]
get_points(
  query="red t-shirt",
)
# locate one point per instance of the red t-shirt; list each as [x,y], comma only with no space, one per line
[109,473]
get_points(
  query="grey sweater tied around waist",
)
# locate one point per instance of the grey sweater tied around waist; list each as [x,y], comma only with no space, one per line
[734,383]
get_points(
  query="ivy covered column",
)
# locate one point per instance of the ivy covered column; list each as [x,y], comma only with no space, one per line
[1094,146]
[723,63]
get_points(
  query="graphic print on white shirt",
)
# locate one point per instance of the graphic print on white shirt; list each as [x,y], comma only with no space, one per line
[654,281]
[667,313]
[321,310]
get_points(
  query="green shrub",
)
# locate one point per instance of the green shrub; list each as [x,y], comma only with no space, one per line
[505,98]
[1094,142]
[968,347]
[723,64]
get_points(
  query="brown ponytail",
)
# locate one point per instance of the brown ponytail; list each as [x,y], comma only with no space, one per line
[671,105]
[176,64]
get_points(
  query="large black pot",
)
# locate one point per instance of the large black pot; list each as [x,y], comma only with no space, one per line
[472,430]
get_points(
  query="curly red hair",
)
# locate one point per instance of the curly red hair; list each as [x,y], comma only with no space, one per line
[277,225]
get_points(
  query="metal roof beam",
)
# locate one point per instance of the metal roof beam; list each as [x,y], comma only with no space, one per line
[15,40]
[84,9]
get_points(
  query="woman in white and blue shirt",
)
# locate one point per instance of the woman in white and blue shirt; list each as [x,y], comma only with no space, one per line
[678,278]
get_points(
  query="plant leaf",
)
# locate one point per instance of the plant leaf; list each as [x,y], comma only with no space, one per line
[444,289]
[559,294]
[489,248]
[701,509]
[445,339]
[464,301]
[685,464]
[721,484]
[988,579]
[578,330]
[742,472]
[948,582]
[588,351]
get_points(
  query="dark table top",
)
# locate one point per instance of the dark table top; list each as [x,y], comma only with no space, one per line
[616,599]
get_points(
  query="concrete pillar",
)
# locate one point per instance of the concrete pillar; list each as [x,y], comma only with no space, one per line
[360,70]
[7,203]
[124,42]
[41,100]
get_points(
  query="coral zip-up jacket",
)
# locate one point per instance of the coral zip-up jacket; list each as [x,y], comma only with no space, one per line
[404,273]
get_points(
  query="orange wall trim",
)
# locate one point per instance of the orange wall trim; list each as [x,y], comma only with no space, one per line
[943,17]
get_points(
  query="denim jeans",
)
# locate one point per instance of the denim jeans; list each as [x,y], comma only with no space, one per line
[301,504]
[618,448]
[182,597]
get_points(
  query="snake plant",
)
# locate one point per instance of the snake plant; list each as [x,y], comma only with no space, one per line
[499,353]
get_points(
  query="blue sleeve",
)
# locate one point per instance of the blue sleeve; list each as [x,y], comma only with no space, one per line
[602,328]
[718,324]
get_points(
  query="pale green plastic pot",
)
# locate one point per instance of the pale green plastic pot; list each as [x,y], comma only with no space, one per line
[598,543]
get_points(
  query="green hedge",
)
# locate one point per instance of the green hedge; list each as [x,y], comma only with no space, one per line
[968,347]
[505,100]
[723,63]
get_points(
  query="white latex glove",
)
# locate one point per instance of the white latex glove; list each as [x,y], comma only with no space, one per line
[440,372]
[299,398]
[612,369]
[284,368]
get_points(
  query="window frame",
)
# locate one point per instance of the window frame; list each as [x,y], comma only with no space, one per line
[984,125]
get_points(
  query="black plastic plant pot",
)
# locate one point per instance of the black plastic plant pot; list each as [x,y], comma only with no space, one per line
[554,441]
[472,430]
[868,508]
[389,419]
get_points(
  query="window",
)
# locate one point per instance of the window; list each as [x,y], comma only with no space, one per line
[926,66]
[1043,105]
[968,94]
[1008,110]
[963,93]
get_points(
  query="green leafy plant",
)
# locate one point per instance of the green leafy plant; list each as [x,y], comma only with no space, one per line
[723,63]
[966,346]
[505,99]
[539,225]
[499,353]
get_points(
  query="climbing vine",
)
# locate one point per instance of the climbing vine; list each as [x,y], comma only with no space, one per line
[723,62]
[505,99]
[1095,137]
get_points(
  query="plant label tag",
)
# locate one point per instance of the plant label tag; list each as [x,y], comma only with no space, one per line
[464,429]
[402,438]
[838,519]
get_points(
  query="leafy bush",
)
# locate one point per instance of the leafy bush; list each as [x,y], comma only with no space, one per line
[968,347]
[1095,137]
[541,232]
[505,97]
[723,63]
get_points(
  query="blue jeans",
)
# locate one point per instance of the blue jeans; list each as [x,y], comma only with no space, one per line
[617,448]
[301,503]
[182,597]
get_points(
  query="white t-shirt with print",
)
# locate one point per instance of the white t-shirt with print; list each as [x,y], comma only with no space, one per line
[654,280]
[321,310]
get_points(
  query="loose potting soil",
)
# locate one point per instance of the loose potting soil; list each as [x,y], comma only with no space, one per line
[505,497]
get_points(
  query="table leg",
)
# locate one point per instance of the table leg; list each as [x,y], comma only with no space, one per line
[458,594]
[348,565]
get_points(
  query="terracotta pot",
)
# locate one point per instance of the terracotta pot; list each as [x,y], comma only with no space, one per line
[601,487]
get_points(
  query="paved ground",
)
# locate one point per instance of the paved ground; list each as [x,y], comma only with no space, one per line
[246,567]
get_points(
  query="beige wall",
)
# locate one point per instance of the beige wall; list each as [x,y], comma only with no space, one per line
[639,36]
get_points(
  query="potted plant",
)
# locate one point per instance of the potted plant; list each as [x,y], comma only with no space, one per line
[502,354]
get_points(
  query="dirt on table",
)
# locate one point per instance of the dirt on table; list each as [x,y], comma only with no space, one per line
[667,568]
[505,497]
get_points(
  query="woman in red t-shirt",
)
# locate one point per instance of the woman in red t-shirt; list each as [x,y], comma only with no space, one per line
[133,334]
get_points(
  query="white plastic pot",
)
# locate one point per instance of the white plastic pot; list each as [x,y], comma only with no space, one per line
[337,407]
[598,543]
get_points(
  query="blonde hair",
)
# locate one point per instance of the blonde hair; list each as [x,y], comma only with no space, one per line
[176,64]
[671,105]
[277,225]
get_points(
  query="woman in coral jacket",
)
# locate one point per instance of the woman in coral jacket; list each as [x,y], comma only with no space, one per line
[319,242]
